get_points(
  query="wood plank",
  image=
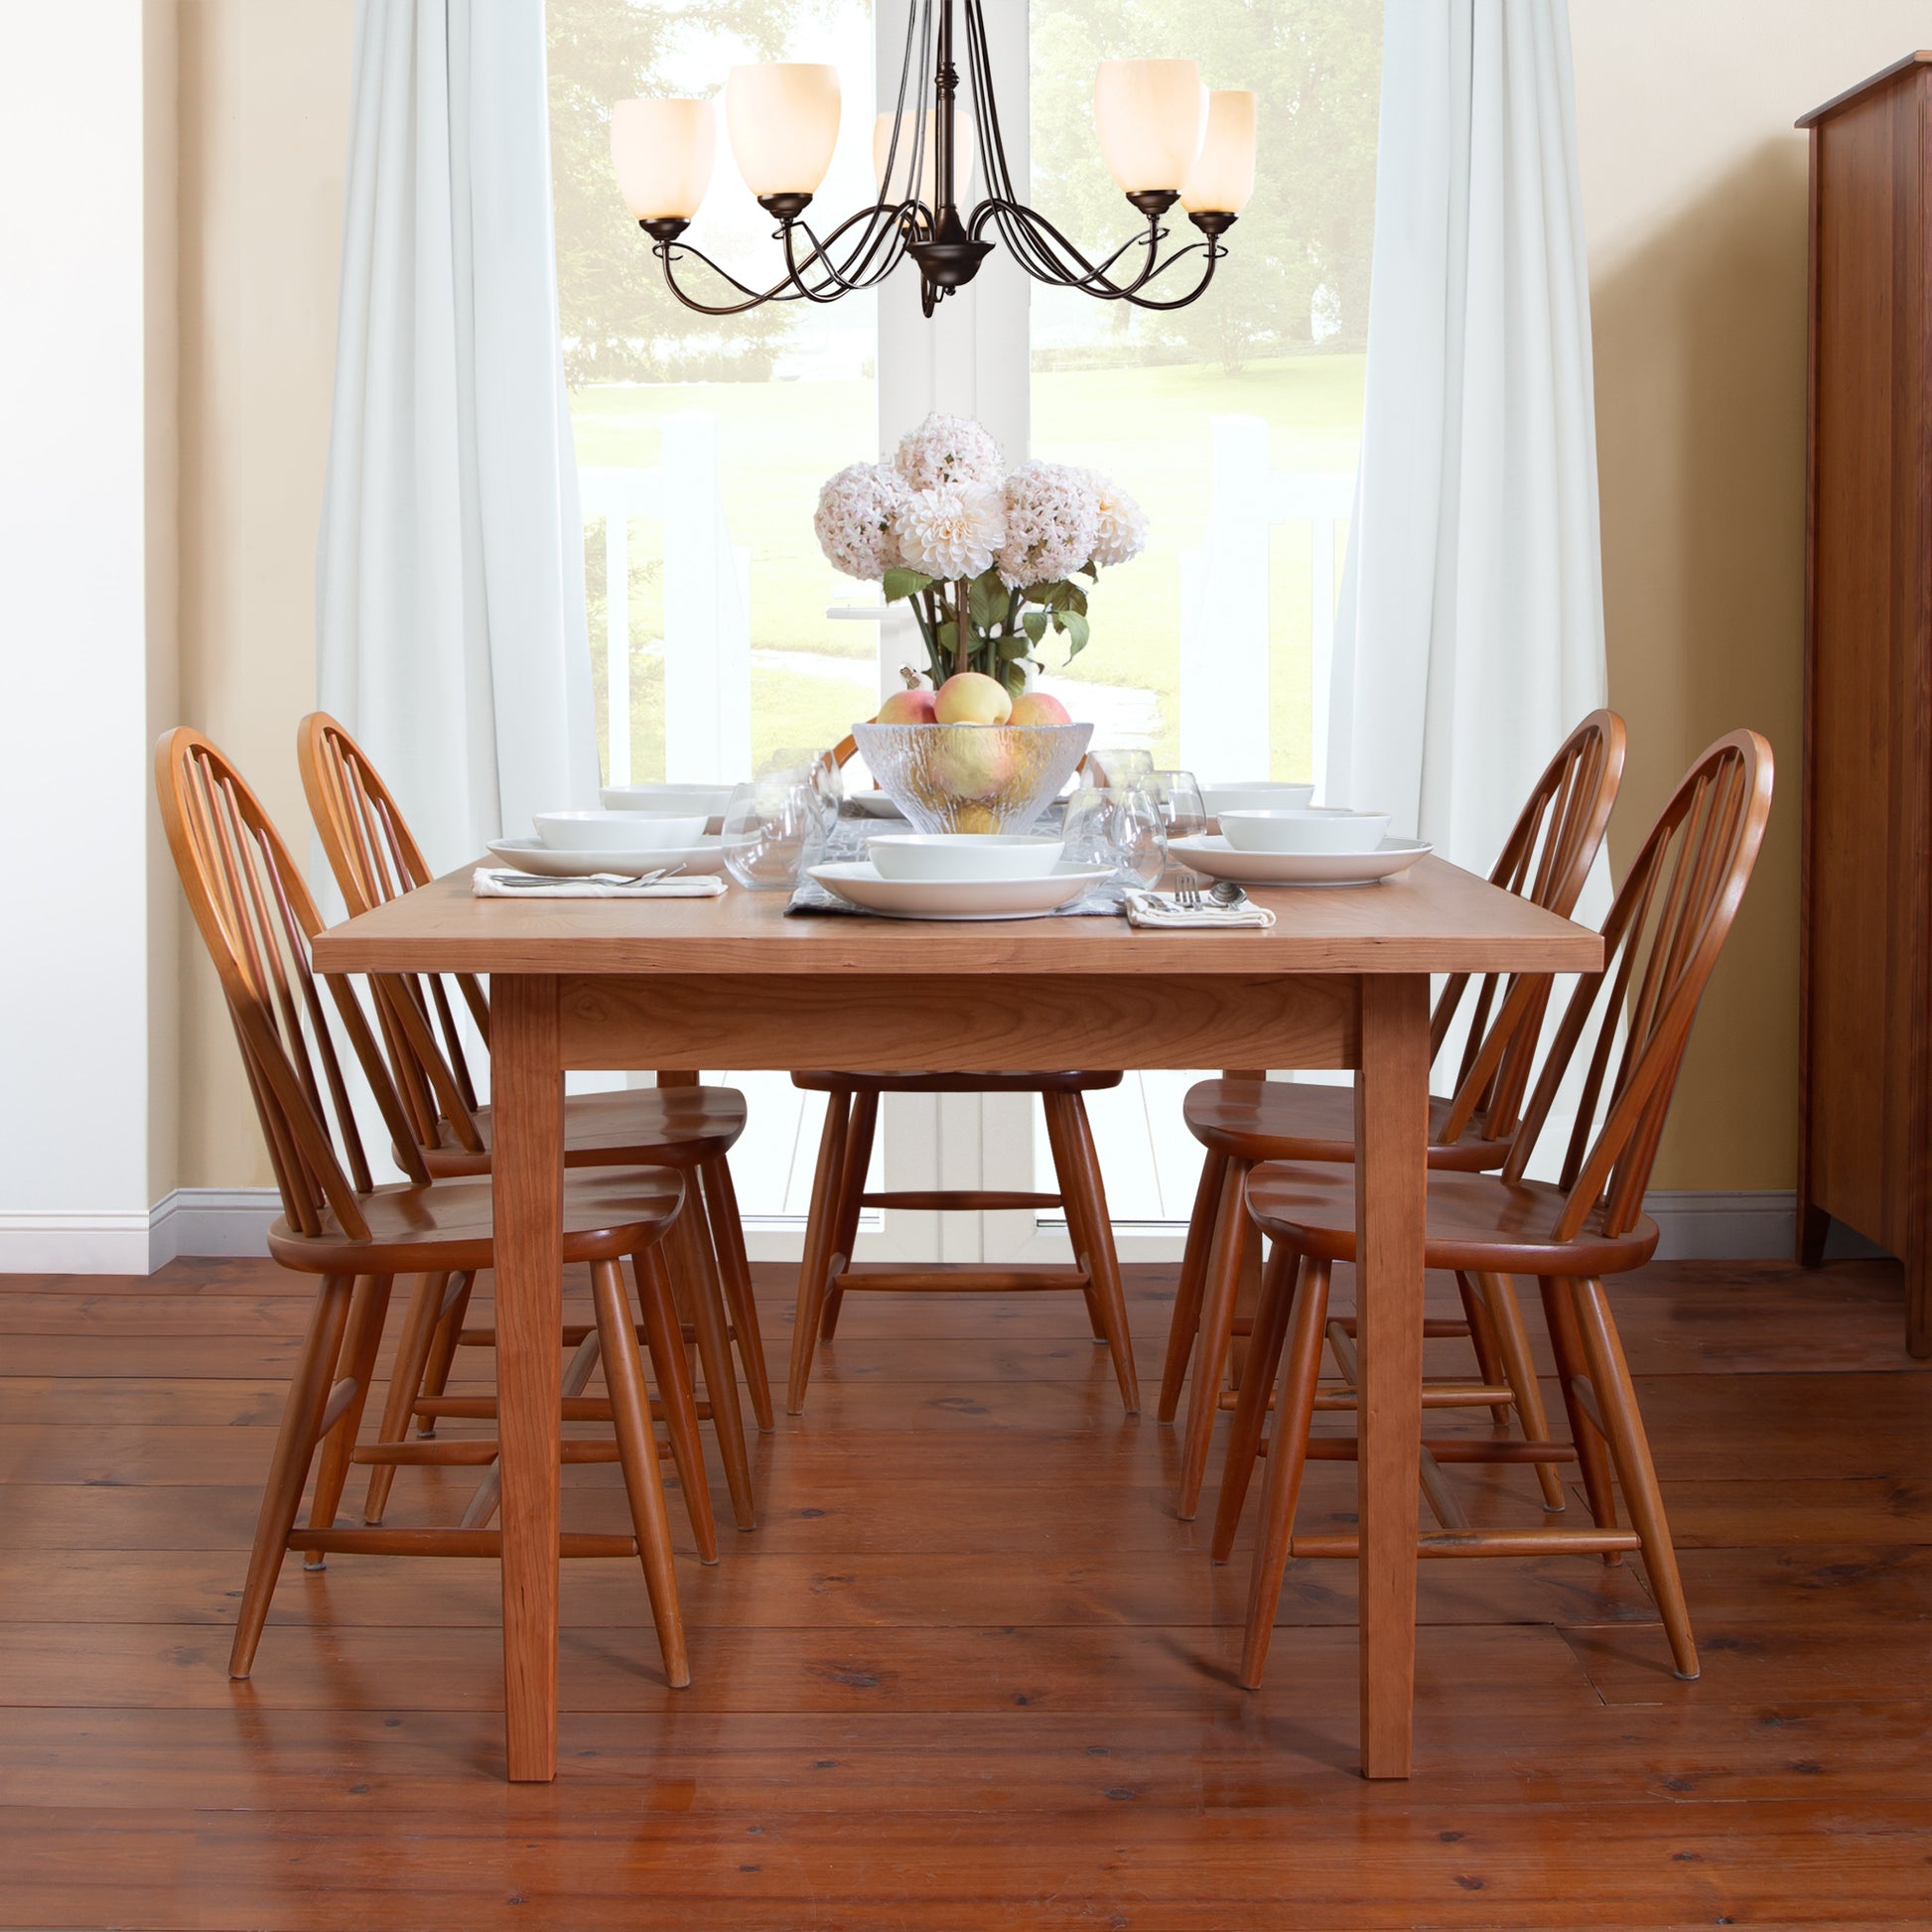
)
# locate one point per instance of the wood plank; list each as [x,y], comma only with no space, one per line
[1434,917]
[885,1024]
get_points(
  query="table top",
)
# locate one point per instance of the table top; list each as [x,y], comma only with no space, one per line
[1432,918]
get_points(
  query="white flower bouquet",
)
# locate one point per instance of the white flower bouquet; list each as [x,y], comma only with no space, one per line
[988,560]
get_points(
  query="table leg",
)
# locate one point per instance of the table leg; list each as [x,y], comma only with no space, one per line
[527,1089]
[1391,1137]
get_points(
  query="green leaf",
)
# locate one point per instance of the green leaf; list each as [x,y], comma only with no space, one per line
[1012,648]
[1077,633]
[901,583]
[1035,624]
[987,601]
[1014,678]
[1076,599]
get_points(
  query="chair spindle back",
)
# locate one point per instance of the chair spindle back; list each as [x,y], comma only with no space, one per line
[1661,942]
[1545,859]
[257,918]
[375,858]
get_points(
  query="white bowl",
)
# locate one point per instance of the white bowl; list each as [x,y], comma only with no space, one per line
[963,855]
[557,862]
[859,883]
[1304,831]
[615,831]
[679,801]
[1220,860]
[1258,796]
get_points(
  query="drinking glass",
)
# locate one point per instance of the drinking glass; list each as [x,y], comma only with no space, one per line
[1119,827]
[1115,766]
[1179,799]
[820,770]
[769,824]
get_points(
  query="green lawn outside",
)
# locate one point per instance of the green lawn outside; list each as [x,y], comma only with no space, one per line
[1146,427]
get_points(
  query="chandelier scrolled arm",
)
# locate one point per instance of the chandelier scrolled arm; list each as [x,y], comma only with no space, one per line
[1156,124]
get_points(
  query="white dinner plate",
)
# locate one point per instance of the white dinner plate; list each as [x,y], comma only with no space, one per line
[857,882]
[1211,854]
[532,855]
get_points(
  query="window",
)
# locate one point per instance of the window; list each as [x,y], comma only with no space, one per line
[1236,422]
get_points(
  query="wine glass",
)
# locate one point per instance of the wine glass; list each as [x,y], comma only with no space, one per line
[769,826]
[1117,766]
[1119,827]
[1181,808]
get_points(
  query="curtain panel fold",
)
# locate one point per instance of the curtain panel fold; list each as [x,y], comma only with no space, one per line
[1469,636]
[450,633]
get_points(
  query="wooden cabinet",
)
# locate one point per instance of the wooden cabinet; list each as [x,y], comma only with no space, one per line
[1865,1045]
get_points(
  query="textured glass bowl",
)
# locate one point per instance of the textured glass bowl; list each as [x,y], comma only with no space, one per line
[972,777]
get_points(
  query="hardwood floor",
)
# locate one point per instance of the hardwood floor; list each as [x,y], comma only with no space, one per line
[970,1672]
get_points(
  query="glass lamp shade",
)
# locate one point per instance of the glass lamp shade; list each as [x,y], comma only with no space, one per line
[1223,175]
[784,117]
[927,191]
[1150,116]
[662,150]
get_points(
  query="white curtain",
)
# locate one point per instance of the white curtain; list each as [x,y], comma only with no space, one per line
[450,600]
[1469,638]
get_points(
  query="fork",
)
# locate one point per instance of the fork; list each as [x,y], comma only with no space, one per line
[1187,892]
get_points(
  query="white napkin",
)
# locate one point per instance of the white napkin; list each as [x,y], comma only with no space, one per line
[483,885]
[1164,909]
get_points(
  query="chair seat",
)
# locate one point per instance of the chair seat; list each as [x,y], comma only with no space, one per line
[450,1226]
[641,1127]
[1061,1082]
[1478,1222]
[1281,1120]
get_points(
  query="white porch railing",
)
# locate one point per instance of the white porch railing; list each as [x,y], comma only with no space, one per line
[1225,600]
[707,642]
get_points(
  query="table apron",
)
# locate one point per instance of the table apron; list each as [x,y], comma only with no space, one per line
[906,1023]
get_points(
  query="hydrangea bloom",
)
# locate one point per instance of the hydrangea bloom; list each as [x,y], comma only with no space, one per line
[950,531]
[948,452]
[1052,519]
[1122,523]
[855,516]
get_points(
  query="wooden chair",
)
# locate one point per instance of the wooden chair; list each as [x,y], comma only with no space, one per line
[257,920]
[838,1196]
[1661,941]
[1244,1120]
[680,1124]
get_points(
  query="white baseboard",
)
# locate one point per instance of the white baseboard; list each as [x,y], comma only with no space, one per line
[65,1242]
[212,1221]
[1697,1226]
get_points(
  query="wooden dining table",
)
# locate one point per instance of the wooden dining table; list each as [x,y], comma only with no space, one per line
[1341,980]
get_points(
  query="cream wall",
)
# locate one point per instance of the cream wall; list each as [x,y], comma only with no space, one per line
[1693,199]
[263,135]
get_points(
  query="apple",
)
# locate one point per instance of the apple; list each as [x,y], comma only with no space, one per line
[1037,708]
[972,764]
[914,707]
[972,698]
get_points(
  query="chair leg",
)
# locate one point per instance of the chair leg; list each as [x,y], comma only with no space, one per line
[665,1336]
[1216,1332]
[1496,1294]
[728,1238]
[1250,1411]
[1188,1293]
[1079,1232]
[367,1309]
[406,1379]
[295,1448]
[1593,1451]
[819,1228]
[442,1354]
[624,1376]
[1482,1339]
[1616,1400]
[1102,1264]
[851,1187]
[1288,1455]
[690,1253]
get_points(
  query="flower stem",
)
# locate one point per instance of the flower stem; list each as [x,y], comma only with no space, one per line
[962,651]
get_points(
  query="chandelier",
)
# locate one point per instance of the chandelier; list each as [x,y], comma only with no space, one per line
[1165,138]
